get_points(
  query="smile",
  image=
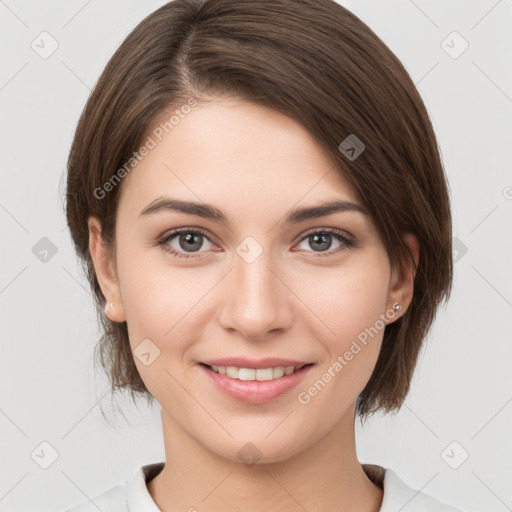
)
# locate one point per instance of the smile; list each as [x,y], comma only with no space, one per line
[260,374]
[254,385]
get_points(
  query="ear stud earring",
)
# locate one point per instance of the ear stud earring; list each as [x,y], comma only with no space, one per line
[397,307]
[108,306]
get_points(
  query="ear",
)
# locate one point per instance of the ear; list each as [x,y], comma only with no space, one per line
[401,286]
[105,272]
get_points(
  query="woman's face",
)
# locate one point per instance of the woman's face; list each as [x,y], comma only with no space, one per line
[257,285]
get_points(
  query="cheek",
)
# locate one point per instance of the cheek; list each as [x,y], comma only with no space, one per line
[348,303]
[160,305]
[155,294]
[164,305]
[348,298]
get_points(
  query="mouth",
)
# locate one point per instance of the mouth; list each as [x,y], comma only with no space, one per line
[255,374]
[255,385]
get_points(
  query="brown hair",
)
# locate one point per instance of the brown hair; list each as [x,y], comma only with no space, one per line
[316,62]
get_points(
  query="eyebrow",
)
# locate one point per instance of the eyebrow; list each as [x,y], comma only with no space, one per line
[210,212]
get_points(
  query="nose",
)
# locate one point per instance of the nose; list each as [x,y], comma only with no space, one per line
[256,301]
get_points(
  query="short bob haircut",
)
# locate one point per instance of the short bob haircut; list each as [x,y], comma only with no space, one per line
[312,60]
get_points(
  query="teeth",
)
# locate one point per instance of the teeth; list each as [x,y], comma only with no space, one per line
[251,374]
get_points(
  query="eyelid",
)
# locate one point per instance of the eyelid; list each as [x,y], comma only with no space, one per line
[347,239]
[212,238]
[326,229]
[187,229]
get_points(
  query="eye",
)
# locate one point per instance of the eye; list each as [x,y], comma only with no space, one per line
[186,240]
[183,243]
[322,240]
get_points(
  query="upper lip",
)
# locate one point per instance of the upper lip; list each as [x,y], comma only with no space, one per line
[242,362]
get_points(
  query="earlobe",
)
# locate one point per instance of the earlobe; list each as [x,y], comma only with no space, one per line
[105,272]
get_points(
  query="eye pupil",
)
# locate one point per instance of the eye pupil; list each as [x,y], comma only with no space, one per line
[322,239]
[189,240]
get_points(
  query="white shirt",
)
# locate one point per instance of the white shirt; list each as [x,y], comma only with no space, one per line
[133,496]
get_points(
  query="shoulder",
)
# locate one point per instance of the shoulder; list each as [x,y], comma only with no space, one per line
[397,494]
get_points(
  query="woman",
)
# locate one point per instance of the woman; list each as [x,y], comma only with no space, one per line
[256,192]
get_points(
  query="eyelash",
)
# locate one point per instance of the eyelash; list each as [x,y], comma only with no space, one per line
[162,242]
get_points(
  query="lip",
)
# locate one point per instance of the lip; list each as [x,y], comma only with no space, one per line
[267,362]
[255,392]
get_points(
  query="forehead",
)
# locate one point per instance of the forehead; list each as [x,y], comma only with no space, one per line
[234,152]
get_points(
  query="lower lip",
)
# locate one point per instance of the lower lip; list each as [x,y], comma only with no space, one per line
[254,391]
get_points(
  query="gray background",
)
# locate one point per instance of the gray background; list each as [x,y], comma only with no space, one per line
[460,401]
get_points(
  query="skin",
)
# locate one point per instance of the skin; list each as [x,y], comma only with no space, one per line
[255,164]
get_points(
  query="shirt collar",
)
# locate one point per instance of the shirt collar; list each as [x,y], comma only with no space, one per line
[137,495]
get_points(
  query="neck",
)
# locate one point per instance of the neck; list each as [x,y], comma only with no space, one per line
[325,476]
